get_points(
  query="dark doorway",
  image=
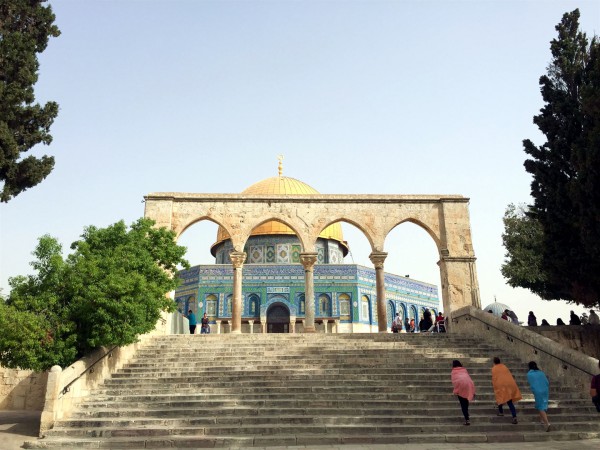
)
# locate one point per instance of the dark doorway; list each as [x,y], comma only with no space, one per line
[278,319]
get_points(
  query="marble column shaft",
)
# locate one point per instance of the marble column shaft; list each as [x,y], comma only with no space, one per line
[308,262]
[237,260]
[377,258]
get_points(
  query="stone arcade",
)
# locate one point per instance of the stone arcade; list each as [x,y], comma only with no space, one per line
[308,222]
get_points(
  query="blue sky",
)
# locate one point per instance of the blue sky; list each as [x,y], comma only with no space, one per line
[388,97]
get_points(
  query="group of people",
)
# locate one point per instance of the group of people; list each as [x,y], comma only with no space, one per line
[506,390]
[509,315]
[574,319]
[426,324]
[204,323]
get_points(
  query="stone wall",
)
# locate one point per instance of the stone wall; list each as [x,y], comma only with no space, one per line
[584,339]
[22,389]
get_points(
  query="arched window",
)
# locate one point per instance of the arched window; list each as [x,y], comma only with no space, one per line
[190,303]
[254,305]
[227,306]
[366,308]
[402,310]
[211,305]
[390,313]
[344,300]
[301,304]
[324,305]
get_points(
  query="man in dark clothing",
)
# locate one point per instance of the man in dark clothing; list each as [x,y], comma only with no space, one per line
[192,319]
[574,320]
[204,326]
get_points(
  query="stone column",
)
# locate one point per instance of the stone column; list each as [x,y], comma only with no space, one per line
[308,262]
[251,323]
[459,283]
[218,323]
[337,326]
[325,322]
[292,324]
[237,260]
[377,258]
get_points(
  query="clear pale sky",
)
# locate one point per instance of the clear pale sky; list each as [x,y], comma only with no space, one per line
[364,97]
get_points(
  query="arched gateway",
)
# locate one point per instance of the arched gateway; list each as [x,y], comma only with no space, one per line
[444,217]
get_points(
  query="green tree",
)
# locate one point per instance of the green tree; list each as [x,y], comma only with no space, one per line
[25,27]
[107,292]
[565,185]
[523,239]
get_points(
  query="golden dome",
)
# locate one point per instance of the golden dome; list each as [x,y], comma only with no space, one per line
[283,186]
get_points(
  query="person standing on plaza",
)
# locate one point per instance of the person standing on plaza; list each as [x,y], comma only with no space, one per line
[574,319]
[505,389]
[593,319]
[531,320]
[538,382]
[397,324]
[204,325]
[192,319]
[464,388]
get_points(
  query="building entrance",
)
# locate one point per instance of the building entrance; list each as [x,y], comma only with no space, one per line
[278,319]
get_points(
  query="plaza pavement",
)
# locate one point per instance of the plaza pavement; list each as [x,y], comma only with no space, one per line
[16,427]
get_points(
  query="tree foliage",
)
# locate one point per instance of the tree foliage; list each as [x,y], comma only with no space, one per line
[522,238]
[25,27]
[565,170]
[108,291]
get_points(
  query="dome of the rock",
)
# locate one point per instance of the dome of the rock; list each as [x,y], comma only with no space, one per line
[281,185]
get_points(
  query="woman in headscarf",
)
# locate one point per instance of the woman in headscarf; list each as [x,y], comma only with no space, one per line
[538,382]
[464,388]
[531,320]
[505,388]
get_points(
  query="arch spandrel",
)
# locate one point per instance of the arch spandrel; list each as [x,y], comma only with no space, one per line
[182,226]
[433,233]
[317,230]
[295,225]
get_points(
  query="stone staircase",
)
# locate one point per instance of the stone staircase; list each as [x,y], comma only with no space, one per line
[249,390]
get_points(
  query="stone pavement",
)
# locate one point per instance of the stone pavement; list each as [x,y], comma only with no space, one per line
[18,426]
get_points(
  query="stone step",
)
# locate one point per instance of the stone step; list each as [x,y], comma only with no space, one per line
[311,440]
[276,379]
[333,391]
[299,420]
[201,409]
[279,428]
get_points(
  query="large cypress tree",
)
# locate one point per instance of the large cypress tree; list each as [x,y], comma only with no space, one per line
[25,27]
[565,169]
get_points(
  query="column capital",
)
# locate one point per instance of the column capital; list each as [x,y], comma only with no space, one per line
[237,259]
[308,260]
[377,258]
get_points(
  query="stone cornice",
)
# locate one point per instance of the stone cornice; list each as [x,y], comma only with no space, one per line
[320,198]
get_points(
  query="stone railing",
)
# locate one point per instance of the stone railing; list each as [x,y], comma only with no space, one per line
[558,361]
[68,387]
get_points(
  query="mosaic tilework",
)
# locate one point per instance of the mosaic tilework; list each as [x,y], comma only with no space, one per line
[296,249]
[320,255]
[256,254]
[270,254]
[349,279]
[283,253]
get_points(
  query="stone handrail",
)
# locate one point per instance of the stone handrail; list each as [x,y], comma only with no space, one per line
[66,388]
[559,362]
